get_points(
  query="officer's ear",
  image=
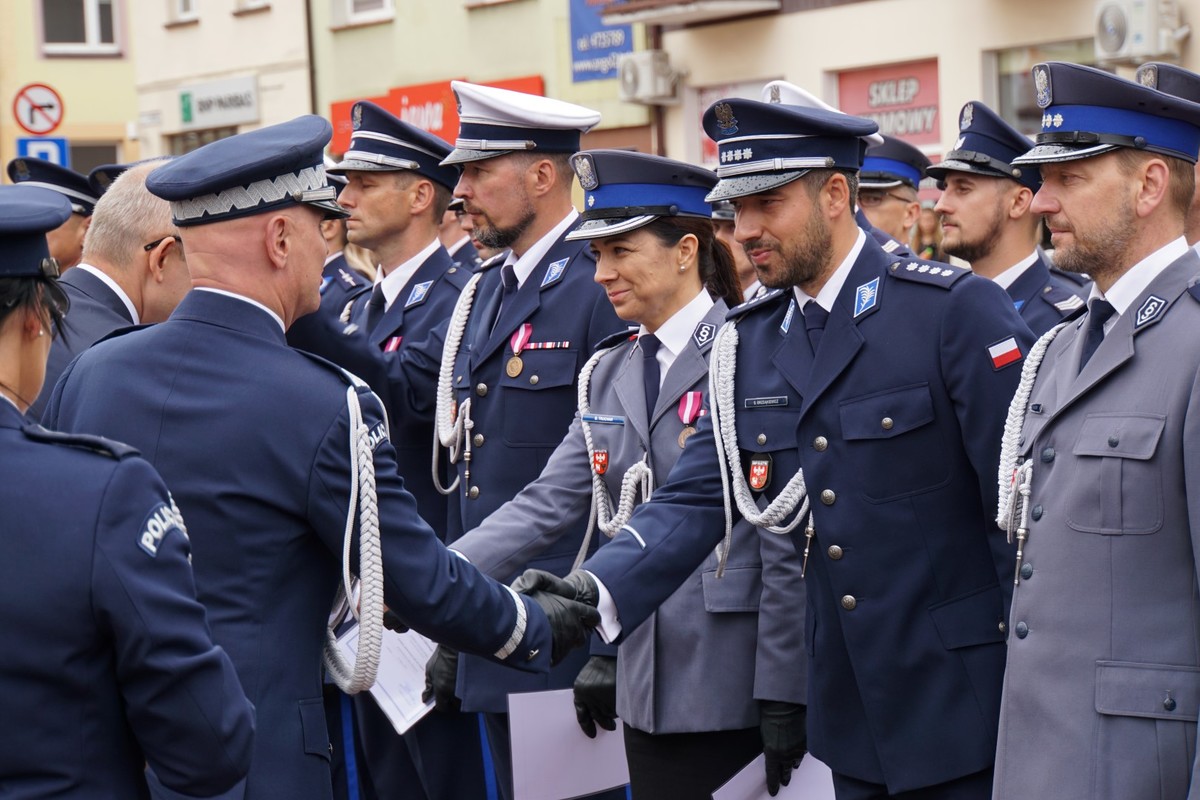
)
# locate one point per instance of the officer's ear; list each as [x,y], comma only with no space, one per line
[836,193]
[1019,202]
[156,257]
[423,196]
[277,234]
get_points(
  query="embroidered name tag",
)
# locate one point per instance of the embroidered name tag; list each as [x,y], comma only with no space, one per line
[765,402]
[603,419]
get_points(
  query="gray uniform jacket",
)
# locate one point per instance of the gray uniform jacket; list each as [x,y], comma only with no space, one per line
[1102,685]
[716,644]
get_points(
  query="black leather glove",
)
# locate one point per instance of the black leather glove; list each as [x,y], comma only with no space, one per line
[441,675]
[596,695]
[785,740]
[392,621]
[577,586]
[570,623]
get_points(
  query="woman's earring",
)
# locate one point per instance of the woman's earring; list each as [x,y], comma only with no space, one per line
[42,332]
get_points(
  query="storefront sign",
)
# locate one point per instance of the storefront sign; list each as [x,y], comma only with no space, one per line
[902,98]
[219,104]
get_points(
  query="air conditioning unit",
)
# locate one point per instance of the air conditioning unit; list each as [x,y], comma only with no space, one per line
[646,77]
[1135,31]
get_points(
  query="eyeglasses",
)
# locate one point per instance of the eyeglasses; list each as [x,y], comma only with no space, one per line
[874,200]
[157,242]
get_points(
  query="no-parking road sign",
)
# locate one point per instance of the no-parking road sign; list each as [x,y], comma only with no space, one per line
[38,108]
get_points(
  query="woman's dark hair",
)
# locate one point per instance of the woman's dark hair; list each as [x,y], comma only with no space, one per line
[37,293]
[716,264]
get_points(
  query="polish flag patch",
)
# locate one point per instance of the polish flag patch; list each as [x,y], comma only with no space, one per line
[1004,352]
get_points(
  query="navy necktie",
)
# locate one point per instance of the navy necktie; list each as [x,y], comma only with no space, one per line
[650,371]
[1098,313]
[815,318]
[376,307]
[508,279]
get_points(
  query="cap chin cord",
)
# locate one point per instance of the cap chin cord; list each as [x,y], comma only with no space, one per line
[364,600]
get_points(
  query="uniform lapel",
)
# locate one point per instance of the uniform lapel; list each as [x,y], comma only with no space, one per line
[430,271]
[1025,289]
[793,357]
[1118,345]
[689,366]
[628,386]
[842,339]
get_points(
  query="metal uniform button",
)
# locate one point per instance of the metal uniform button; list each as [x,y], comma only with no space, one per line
[835,552]
[533,379]
[1036,513]
[1003,627]
[481,390]
[458,380]
[1113,441]
[1022,630]
[1026,571]
[827,497]
[473,492]
[1048,455]
[762,438]
[849,602]
[478,440]
[1169,703]
[820,444]
[886,423]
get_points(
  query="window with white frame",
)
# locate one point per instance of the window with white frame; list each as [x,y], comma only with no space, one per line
[358,12]
[182,10]
[78,27]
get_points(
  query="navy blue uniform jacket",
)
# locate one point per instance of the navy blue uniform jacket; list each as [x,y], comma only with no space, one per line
[96,311]
[897,425]
[1044,297]
[425,303]
[252,437]
[108,662]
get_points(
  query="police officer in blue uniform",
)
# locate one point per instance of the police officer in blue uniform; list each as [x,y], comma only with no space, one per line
[860,409]
[255,438]
[133,272]
[65,241]
[685,683]
[887,186]
[987,221]
[109,667]
[516,343]
[396,194]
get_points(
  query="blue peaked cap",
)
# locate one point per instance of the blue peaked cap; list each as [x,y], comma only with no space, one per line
[624,190]
[27,213]
[46,175]
[250,173]
[382,142]
[1086,112]
[1170,79]
[987,145]
[891,164]
[765,145]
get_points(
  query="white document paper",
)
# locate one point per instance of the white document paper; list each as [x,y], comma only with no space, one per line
[552,758]
[812,780]
[401,677]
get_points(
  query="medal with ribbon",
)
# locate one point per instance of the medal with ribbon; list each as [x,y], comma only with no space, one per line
[518,341]
[690,408]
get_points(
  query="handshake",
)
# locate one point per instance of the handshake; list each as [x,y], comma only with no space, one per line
[570,607]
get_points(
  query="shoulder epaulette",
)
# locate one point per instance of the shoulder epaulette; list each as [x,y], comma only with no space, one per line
[81,441]
[459,276]
[936,274]
[1064,300]
[495,261]
[1077,278]
[345,376]
[762,300]
[612,340]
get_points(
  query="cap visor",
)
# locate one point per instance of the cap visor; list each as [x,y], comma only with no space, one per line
[1054,153]
[460,156]
[599,228]
[330,208]
[353,164]
[743,185]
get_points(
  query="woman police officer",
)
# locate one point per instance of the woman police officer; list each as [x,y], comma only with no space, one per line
[686,682]
[110,677]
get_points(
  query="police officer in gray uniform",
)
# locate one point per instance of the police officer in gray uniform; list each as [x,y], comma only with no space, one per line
[109,666]
[1100,457]
[691,720]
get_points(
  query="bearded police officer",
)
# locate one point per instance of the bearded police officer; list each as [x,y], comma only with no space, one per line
[255,438]
[886,381]
[1100,456]
[987,220]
